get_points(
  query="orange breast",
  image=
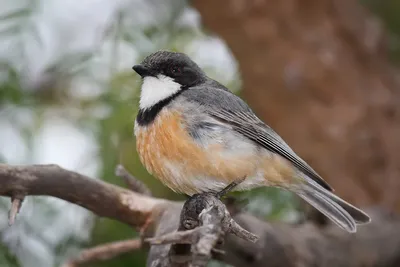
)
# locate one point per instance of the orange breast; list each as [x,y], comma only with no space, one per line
[170,153]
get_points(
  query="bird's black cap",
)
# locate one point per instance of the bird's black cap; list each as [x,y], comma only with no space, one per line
[177,66]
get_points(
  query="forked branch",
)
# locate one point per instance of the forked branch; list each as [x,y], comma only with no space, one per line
[204,236]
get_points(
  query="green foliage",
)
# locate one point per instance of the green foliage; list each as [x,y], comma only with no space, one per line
[10,90]
[388,12]
[6,258]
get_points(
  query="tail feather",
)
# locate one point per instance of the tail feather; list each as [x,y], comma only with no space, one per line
[359,216]
[331,210]
[339,211]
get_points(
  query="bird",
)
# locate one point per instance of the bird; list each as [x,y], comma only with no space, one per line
[196,136]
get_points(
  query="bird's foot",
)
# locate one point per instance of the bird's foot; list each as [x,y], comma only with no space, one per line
[229,188]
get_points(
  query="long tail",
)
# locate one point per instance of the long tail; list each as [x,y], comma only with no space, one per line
[339,211]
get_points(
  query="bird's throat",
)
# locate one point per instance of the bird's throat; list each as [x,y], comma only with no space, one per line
[147,115]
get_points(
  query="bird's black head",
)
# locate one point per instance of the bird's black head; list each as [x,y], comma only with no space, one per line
[177,66]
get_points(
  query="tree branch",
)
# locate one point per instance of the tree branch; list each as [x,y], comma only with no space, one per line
[101,198]
[204,221]
[134,184]
[104,252]
[16,203]
[376,244]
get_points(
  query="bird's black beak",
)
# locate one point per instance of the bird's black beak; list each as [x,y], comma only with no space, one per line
[142,70]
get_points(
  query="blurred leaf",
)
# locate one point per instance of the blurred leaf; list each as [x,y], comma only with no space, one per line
[10,89]
[9,31]
[388,12]
[16,14]
[6,258]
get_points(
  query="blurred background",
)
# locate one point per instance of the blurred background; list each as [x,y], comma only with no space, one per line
[322,73]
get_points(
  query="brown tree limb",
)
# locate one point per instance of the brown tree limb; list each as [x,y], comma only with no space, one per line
[104,252]
[134,184]
[376,244]
[101,198]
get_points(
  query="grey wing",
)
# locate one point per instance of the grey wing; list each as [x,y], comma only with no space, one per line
[230,109]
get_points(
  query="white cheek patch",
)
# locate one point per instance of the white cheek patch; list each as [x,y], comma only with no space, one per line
[155,89]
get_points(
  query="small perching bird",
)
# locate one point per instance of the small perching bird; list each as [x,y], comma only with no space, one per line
[196,136]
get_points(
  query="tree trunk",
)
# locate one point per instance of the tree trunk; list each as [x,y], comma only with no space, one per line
[317,72]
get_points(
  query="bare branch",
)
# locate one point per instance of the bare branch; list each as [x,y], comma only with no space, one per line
[204,221]
[375,244]
[101,198]
[104,252]
[133,183]
[16,203]
[178,237]
[234,228]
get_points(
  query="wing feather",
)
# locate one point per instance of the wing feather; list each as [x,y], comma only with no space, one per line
[230,109]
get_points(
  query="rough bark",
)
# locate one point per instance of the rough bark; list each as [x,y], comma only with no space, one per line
[317,72]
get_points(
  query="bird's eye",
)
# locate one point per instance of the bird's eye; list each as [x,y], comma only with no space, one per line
[175,70]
